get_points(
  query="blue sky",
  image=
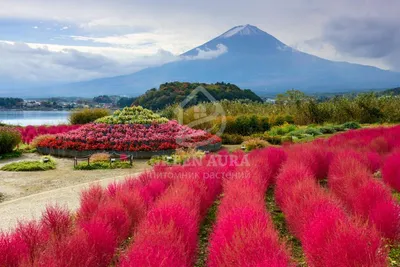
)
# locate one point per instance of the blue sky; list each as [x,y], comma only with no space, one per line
[43,41]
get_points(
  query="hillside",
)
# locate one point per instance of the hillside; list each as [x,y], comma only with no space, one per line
[394,91]
[176,92]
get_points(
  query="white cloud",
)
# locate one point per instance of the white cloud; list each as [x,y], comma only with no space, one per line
[40,63]
[144,42]
[208,54]
[325,50]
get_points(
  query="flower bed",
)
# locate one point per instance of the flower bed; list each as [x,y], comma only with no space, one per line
[130,137]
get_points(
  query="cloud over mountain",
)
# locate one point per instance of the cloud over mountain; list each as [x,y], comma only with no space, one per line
[365,37]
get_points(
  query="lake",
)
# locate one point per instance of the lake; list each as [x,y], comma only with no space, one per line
[25,118]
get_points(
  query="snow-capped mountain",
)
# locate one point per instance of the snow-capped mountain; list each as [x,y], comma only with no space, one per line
[250,58]
[242,30]
[244,39]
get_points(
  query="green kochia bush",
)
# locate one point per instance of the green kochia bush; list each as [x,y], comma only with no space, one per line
[87,115]
[327,130]
[351,125]
[46,163]
[232,139]
[282,130]
[103,165]
[313,131]
[339,128]
[255,143]
[9,139]
[11,155]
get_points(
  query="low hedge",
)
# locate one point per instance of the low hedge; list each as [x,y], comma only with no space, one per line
[45,164]
[102,165]
[11,155]
[244,125]
[232,139]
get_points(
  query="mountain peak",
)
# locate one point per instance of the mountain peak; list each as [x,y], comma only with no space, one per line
[242,30]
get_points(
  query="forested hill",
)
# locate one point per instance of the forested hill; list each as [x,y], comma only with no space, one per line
[9,102]
[394,91]
[176,92]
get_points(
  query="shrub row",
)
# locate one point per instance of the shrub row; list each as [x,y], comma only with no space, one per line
[168,236]
[328,236]
[304,110]
[243,125]
[293,133]
[243,234]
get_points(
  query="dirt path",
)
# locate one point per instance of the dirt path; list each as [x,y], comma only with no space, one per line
[32,206]
[24,195]
[14,185]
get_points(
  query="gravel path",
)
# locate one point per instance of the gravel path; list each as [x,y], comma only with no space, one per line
[32,206]
[15,185]
[24,195]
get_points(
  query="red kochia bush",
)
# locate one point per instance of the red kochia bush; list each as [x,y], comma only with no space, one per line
[174,221]
[12,250]
[244,234]
[30,132]
[328,236]
[168,234]
[32,237]
[364,195]
[92,245]
[332,240]
[57,221]
[246,237]
[312,156]
[391,171]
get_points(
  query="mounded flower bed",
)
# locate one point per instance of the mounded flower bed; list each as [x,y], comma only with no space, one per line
[135,139]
